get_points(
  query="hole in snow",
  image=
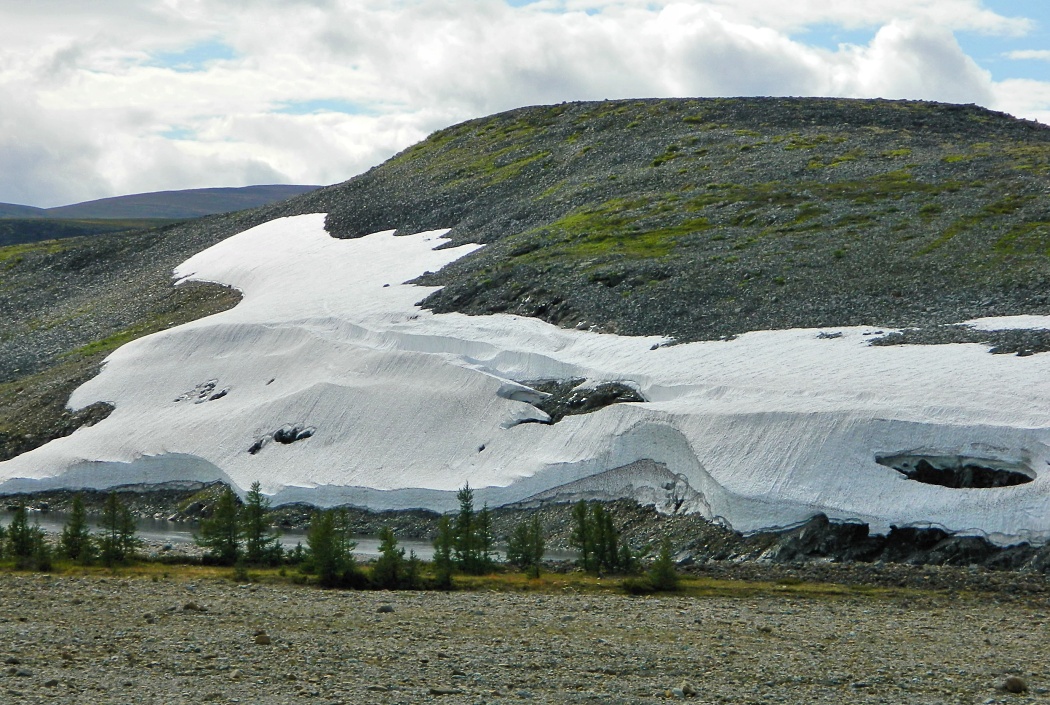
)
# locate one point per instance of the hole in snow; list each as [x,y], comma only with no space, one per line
[958,471]
[566,398]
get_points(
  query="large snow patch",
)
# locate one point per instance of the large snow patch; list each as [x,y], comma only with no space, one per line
[328,384]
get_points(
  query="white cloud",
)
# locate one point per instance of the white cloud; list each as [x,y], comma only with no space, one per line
[1038,54]
[124,96]
[1024,98]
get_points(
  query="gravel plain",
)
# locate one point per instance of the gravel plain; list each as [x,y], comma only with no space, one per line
[113,639]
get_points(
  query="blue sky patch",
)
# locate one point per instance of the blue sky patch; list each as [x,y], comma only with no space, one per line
[830,36]
[322,105]
[179,133]
[196,57]
[991,52]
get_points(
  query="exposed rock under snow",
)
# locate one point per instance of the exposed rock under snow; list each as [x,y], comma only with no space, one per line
[398,407]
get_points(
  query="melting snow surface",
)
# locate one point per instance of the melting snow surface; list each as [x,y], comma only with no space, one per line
[406,406]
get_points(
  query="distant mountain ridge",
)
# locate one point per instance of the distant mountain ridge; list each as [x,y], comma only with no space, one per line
[167,205]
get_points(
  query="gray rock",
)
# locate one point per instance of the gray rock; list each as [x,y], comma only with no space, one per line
[1015,684]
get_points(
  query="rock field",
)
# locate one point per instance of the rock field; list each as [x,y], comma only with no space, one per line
[71,639]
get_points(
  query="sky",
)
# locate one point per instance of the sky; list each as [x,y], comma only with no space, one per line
[112,97]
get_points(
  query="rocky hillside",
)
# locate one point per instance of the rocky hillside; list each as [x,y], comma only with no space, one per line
[696,219]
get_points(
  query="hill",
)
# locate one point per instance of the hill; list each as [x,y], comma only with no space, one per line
[689,219]
[22,231]
[163,205]
[11,210]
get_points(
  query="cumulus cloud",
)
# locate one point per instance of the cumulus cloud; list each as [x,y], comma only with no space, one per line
[120,96]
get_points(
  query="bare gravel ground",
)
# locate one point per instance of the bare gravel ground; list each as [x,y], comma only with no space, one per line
[70,639]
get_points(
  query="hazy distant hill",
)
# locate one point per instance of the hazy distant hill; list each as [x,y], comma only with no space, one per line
[11,210]
[167,205]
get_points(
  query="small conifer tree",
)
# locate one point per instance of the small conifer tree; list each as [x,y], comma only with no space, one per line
[22,539]
[484,540]
[444,546]
[76,539]
[331,550]
[465,532]
[525,546]
[662,573]
[261,544]
[221,533]
[582,537]
[388,572]
[413,569]
[116,541]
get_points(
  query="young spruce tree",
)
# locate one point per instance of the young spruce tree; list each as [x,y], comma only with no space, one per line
[525,546]
[116,541]
[388,572]
[662,573]
[76,539]
[221,533]
[582,537]
[472,535]
[444,561]
[261,544]
[465,532]
[331,550]
[22,539]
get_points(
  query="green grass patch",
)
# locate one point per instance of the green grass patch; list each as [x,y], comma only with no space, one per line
[1026,239]
[811,141]
[111,343]
[1003,207]
[13,254]
[850,156]
[621,227]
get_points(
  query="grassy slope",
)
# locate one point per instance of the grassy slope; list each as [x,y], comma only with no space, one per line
[690,218]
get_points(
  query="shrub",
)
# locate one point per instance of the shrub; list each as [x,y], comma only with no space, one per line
[662,573]
[637,586]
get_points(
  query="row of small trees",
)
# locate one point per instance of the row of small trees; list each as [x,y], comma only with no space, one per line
[464,543]
[239,534]
[113,543]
